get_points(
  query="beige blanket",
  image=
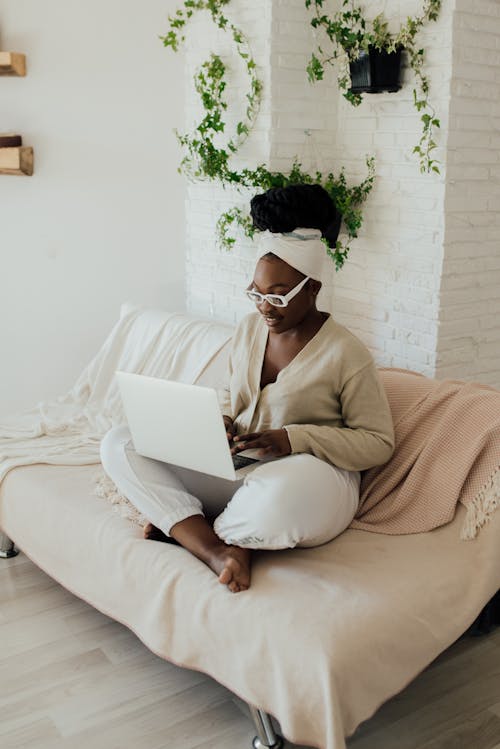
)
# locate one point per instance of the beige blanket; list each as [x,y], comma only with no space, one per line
[447,451]
[68,430]
[322,638]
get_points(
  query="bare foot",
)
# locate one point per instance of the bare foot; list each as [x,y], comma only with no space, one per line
[232,565]
[152,533]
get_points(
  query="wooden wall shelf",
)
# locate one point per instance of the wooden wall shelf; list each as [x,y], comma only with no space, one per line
[12,63]
[16,160]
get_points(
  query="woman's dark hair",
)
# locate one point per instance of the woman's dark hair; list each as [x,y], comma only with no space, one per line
[283,209]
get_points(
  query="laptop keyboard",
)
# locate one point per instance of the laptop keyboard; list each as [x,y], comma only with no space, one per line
[239,461]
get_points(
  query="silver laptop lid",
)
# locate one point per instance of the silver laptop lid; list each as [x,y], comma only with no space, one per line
[176,423]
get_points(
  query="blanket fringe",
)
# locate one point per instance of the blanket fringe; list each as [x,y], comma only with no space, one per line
[105,488]
[482,507]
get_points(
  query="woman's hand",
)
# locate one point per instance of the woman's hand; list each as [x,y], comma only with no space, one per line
[230,428]
[273,442]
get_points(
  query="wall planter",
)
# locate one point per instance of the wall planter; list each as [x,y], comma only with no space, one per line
[14,157]
[12,63]
[10,140]
[353,44]
[16,160]
[376,71]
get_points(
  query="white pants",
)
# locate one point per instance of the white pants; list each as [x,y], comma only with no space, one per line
[298,500]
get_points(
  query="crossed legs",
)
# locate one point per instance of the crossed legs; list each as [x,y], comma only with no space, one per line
[296,501]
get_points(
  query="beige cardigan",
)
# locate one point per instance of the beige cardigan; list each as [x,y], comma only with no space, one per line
[329,398]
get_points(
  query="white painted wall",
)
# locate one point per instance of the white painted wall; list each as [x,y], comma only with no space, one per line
[102,219]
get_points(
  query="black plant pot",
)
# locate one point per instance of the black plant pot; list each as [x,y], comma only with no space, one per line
[376,71]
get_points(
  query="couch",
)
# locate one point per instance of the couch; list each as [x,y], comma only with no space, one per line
[330,633]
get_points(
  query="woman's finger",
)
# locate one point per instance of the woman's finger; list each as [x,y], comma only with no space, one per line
[246,437]
[249,444]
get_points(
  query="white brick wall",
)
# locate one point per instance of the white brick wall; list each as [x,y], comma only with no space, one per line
[427,254]
[397,260]
[469,332]
[215,278]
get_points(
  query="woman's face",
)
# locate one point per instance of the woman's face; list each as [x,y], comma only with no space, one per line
[273,276]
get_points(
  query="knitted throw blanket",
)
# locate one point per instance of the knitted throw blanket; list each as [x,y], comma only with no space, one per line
[447,451]
[68,430]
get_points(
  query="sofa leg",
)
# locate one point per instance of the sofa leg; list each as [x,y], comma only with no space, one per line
[6,547]
[266,736]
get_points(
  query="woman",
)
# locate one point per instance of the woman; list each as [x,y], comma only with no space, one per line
[301,388]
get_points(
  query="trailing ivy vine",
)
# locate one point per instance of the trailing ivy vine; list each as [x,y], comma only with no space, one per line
[350,33]
[204,160]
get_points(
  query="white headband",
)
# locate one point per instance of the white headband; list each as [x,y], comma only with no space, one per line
[301,248]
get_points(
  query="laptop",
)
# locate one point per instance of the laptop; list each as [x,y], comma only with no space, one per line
[181,425]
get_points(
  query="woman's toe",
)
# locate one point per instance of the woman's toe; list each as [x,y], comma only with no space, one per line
[225,576]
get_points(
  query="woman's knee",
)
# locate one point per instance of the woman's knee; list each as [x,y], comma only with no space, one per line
[112,446]
[300,501]
[293,485]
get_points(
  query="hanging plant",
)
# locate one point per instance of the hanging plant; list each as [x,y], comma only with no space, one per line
[353,38]
[204,160]
[347,199]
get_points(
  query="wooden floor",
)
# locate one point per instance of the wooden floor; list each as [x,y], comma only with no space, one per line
[72,678]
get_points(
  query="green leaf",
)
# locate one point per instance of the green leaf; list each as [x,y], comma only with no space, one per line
[314,69]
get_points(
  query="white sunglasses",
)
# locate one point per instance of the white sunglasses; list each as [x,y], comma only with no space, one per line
[277,300]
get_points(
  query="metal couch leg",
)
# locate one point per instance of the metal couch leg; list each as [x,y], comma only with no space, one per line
[6,547]
[266,736]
